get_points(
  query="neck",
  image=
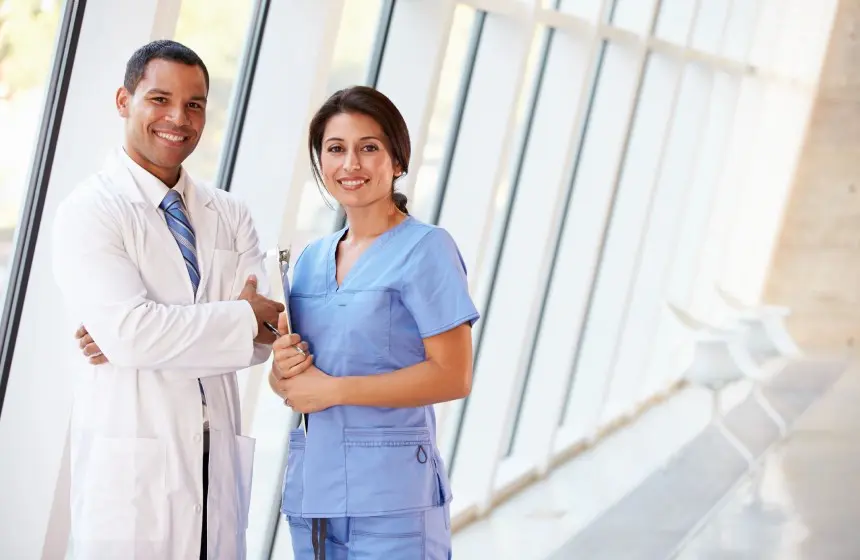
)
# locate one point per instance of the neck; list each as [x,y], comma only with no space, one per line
[167,176]
[371,221]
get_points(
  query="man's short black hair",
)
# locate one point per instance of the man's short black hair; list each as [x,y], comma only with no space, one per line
[160,50]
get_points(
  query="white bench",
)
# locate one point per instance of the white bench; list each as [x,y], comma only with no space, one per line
[721,359]
[766,332]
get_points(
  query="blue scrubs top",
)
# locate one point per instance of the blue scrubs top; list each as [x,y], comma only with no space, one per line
[363,461]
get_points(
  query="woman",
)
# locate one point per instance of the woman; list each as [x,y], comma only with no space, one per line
[384,309]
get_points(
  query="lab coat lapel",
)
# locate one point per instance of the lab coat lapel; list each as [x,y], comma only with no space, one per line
[122,180]
[204,219]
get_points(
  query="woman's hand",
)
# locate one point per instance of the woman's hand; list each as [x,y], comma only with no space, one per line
[291,356]
[312,391]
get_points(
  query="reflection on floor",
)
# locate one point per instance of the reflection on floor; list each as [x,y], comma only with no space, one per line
[544,516]
[804,501]
[640,493]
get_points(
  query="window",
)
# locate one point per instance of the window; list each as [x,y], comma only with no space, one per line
[216,30]
[427,182]
[634,15]
[353,53]
[674,20]
[450,421]
[617,265]
[633,378]
[531,233]
[586,9]
[27,43]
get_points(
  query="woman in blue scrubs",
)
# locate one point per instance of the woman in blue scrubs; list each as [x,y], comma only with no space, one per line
[384,309]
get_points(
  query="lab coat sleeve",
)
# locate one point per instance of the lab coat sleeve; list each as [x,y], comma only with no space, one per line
[103,290]
[251,261]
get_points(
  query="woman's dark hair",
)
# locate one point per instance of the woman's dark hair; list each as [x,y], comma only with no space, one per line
[365,101]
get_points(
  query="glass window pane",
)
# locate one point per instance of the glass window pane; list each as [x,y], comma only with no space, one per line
[355,39]
[634,15]
[216,30]
[709,26]
[501,203]
[634,379]
[27,43]
[450,82]
[674,20]
[353,51]
[587,9]
[617,268]
[593,191]
[739,29]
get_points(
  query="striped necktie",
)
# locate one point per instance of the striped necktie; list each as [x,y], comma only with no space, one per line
[180,226]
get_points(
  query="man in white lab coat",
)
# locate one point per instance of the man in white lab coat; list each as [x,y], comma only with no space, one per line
[156,268]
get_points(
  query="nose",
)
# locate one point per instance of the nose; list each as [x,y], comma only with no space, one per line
[350,162]
[178,115]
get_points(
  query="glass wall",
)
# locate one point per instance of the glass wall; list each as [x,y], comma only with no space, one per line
[595,161]
[28,37]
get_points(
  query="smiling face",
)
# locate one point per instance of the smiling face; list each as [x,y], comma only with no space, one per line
[356,161]
[164,116]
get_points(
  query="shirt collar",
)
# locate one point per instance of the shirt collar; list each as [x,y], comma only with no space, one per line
[153,189]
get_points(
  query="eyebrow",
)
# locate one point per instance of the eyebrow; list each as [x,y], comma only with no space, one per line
[156,91]
[336,139]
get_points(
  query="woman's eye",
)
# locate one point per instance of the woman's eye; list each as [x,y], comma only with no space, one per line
[371,148]
[335,149]
[159,99]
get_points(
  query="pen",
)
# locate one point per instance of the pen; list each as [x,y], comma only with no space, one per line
[277,333]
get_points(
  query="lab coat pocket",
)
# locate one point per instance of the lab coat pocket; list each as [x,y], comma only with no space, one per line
[389,470]
[124,493]
[245,470]
[223,278]
[291,496]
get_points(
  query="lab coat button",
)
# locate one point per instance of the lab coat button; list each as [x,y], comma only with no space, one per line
[198,508]
[196,438]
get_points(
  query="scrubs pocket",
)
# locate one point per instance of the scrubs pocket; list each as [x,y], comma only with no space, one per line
[400,537]
[389,469]
[123,493]
[291,500]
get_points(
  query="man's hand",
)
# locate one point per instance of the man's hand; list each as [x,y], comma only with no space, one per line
[265,310]
[88,346]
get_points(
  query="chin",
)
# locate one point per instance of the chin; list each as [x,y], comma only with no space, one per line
[170,158]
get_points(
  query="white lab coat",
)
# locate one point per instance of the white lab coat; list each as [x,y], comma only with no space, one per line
[136,445]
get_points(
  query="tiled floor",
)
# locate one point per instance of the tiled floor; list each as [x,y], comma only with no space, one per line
[804,501]
[542,518]
[639,494]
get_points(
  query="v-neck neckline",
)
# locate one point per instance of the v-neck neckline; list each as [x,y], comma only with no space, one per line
[333,286]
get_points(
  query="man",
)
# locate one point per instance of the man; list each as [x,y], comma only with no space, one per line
[162,272]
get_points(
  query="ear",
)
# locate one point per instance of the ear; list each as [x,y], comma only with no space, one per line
[398,170]
[123,99]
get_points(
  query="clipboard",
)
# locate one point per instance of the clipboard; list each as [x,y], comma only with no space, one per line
[279,260]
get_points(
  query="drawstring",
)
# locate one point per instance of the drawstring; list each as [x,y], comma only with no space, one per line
[318,536]
[315,537]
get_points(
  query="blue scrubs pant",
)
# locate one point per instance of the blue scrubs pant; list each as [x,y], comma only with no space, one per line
[424,535]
